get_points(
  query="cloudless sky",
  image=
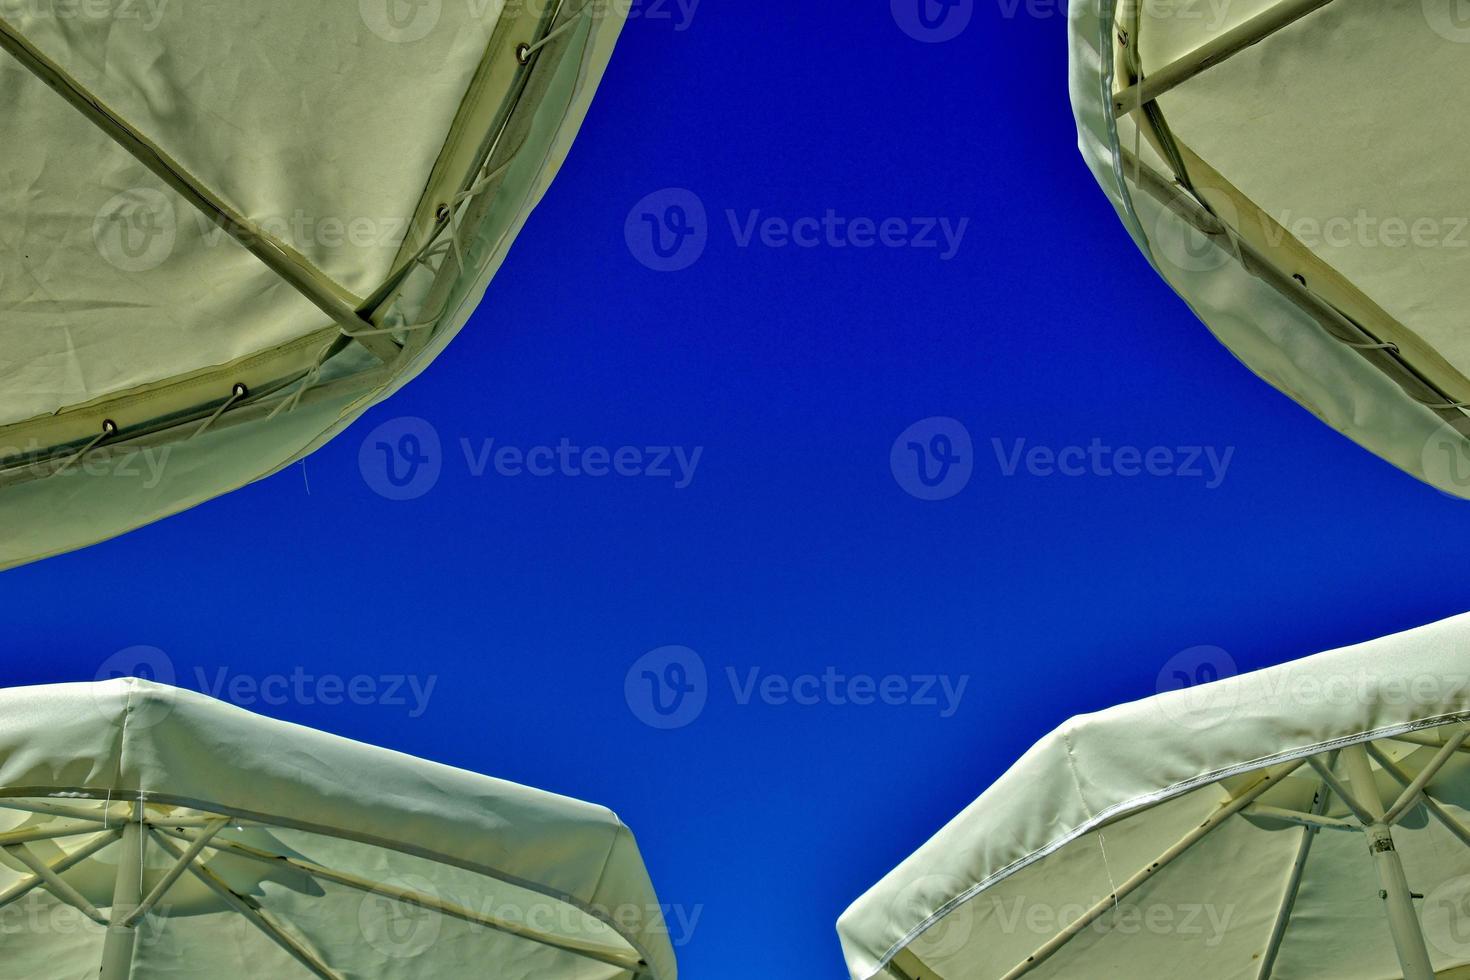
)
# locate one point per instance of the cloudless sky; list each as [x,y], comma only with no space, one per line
[794,549]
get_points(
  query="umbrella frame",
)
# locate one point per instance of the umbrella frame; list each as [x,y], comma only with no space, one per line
[135,829]
[1355,787]
[1197,193]
[275,380]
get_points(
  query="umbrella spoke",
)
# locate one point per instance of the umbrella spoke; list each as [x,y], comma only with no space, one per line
[1313,821]
[601,954]
[290,265]
[54,810]
[1419,738]
[28,884]
[254,914]
[1232,807]
[1293,886]
[49,832]
[1344,792]
[1207,56]
[1412,792]
[1445,818]
[172,875]
[53,883]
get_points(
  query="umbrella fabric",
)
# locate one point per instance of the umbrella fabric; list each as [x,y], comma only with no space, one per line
[1163,838]
[312,855]
[1287,167]
[229,229]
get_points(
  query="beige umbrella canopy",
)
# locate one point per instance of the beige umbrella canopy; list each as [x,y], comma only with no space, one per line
[1308,822]
[1293,169]
[147,832]
[228,229]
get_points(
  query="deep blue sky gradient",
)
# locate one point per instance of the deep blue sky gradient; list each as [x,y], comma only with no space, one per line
[794,549]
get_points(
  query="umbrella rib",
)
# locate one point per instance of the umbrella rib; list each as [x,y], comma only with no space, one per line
[287,263]
[628,961]
[1324,769]
[1221,48]
[173,874]
[53,810]
[53,883]
[26,885]
[1446,819]
[51,832]
[1228,809]
[253,914]
[1412,792]
[1314,820]
[1293,886]
[1419,738]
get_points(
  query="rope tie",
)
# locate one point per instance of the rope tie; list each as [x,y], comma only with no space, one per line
[525,51]
[236,393]
[108,428]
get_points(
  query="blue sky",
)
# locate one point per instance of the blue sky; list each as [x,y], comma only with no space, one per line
[885,244]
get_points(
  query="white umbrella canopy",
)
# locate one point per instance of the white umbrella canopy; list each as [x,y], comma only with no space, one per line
[226,230]
[151,832]
[1288,167]
[1307,822]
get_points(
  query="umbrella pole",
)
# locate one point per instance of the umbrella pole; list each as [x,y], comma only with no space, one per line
[127,892]
[1403,921]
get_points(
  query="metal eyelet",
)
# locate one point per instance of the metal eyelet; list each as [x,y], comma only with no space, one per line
[523,53]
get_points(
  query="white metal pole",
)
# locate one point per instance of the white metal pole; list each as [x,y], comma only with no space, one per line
[127,892]
[1403,920]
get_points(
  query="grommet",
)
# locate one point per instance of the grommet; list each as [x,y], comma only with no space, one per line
[108,427]
[523,53]
[442,213]
[240,391]
[1299,278]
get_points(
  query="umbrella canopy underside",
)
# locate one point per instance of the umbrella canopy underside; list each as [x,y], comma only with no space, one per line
[1290,168]
[1244,829]
[149,832]
[256,220]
